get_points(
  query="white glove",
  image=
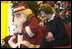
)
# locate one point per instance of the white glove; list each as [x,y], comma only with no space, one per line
[11,43]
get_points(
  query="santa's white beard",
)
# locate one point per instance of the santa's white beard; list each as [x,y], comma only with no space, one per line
[18,30]
[18,22]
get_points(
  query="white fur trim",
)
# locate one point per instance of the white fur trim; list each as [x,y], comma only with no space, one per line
[29,45]
[52,17]
[20,39]
[53,14]
[16,9]
[29,32]
[11,43]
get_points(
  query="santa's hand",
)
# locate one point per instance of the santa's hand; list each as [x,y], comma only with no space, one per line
[11,43]
[12,38]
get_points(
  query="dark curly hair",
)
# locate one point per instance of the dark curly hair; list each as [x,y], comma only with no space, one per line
[47,9]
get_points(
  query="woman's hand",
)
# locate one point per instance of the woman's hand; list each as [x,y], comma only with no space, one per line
[49,37]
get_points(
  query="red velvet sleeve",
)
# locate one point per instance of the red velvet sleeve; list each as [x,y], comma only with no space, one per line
[7,38]
[34,24]
[44,30]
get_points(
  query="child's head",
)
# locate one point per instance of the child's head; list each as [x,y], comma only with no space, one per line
[46,11]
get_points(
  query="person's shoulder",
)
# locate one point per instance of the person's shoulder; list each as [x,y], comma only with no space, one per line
[57,18]
[34,18]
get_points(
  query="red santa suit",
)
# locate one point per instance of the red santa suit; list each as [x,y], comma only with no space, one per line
[31,28]
[39,31]
[32,42]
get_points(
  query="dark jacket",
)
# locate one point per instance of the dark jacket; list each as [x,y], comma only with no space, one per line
[56,26]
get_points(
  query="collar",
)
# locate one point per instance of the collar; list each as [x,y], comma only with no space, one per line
[52,17]
[19,33]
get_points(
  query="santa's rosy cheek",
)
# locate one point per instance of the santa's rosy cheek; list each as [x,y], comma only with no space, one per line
[18,15]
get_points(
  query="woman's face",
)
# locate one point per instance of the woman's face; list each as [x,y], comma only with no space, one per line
[19,18]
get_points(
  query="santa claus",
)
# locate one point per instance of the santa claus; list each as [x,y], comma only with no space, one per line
[28,33]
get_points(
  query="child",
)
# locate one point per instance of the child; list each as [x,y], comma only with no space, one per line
[57,35]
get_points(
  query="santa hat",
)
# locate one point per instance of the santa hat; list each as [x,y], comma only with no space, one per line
[21,7]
